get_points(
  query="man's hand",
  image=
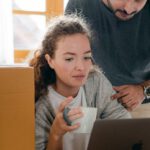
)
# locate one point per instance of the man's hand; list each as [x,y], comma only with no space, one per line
[130,96]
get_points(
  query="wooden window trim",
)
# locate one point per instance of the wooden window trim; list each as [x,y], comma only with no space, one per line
[23,12]
[53,8]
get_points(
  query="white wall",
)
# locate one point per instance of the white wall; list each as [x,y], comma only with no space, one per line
[65,3]
[6,32]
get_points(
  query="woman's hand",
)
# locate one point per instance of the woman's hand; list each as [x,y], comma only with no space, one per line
[59,126]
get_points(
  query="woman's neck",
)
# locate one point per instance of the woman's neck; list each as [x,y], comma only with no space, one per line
[66,91]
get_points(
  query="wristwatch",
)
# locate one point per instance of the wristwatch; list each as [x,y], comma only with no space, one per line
[147,91]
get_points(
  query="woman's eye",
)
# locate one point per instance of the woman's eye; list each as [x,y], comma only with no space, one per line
[88,58]
[68,59]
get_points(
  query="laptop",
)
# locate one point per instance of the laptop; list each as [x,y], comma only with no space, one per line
[122,134]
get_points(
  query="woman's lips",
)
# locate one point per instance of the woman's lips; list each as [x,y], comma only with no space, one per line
[79,77]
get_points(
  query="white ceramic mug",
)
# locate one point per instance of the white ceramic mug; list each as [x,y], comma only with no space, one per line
[86,121]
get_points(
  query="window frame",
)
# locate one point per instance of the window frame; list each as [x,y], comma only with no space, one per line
[53,8]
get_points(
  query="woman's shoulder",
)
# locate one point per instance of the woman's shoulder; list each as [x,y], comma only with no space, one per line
[96,73]
[97,78]
[43,103]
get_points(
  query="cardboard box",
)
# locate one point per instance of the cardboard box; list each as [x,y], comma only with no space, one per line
[16,108]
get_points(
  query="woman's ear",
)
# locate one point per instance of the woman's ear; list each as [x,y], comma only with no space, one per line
[49,60]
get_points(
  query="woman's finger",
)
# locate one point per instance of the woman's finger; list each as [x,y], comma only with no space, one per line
[64,104]
[76,116]
[74,110]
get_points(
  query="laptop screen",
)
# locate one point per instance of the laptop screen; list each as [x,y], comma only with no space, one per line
[122,134]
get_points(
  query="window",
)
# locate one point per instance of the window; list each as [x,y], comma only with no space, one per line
[29,19]
[65,3]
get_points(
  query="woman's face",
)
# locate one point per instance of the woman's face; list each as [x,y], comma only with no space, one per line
[71,61]
[125,9]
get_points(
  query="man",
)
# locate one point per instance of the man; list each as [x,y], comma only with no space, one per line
[121,44]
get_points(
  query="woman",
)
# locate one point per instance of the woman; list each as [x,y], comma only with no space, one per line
[65,76]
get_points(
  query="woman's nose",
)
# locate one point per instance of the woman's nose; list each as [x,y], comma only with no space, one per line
[79,65]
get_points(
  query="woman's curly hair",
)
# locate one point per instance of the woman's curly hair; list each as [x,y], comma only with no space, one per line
[58,27]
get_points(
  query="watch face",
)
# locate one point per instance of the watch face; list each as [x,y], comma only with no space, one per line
[148,91]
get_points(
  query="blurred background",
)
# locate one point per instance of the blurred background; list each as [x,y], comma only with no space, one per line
[22,26]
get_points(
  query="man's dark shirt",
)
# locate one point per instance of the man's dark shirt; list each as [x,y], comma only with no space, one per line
[120,48]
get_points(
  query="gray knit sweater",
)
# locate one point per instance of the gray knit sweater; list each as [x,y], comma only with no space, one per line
[98,91]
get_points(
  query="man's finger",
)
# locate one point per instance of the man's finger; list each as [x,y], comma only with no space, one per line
[126,99]
[132,107]
[119,95]
[118,88]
